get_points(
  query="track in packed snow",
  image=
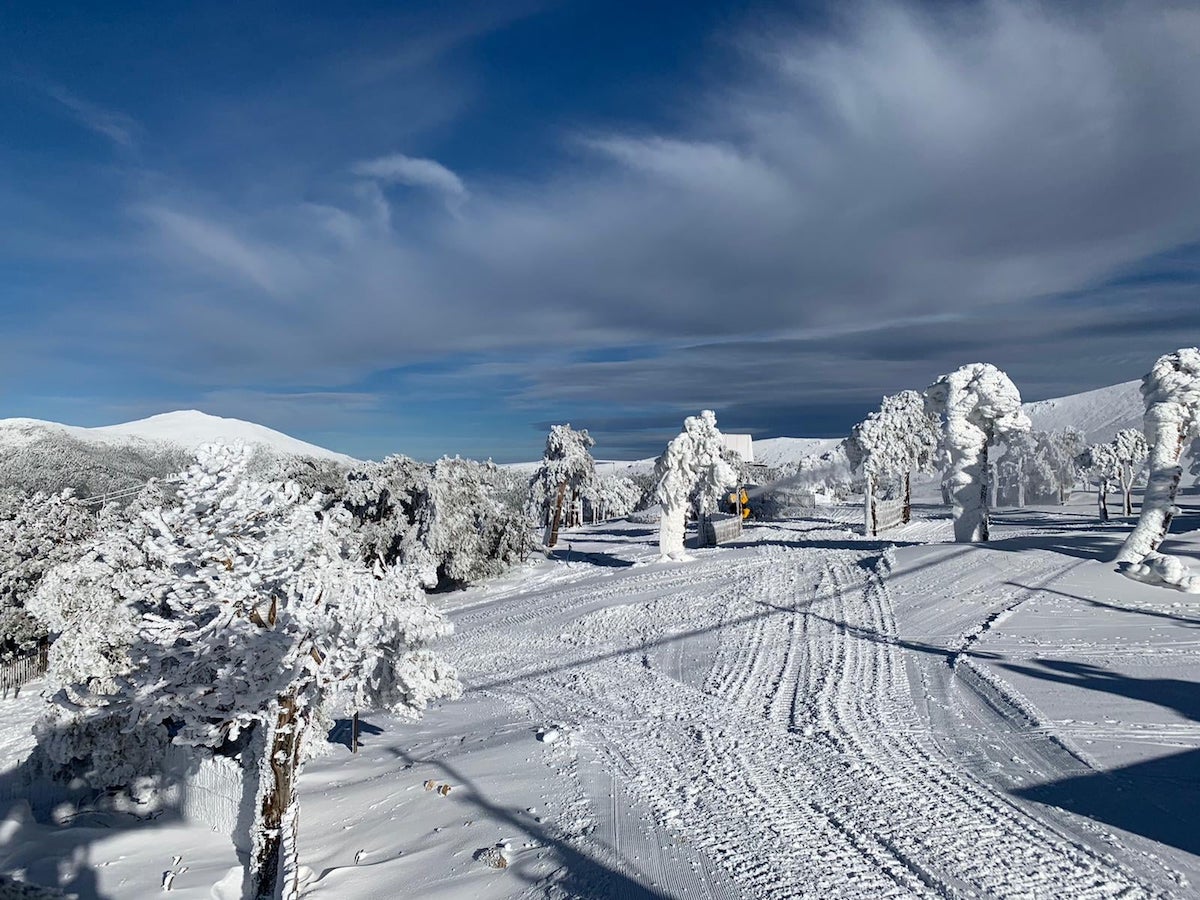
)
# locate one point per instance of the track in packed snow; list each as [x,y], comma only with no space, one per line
[760,704]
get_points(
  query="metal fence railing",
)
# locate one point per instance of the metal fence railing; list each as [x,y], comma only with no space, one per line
[23,668]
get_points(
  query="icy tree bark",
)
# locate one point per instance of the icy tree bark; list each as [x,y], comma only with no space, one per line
[907,497]
[1021,484]
[271,878]
[671,530]
[1158,504]
[1103,499]
[869,508]
[1127,488]
[1172,393]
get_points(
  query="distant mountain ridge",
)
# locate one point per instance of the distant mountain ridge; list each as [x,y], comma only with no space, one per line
[187,428]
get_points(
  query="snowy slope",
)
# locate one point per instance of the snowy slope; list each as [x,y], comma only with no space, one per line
[186,429]
[1099,414]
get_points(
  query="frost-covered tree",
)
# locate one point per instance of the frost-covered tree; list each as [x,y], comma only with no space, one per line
[1130,447]
[463,528]
[980,404]
[36,533]
[1100,461]
[692,473]
[1171,390]
[613,496]
[567,470]
[255,620]
[457,520]
[898,438]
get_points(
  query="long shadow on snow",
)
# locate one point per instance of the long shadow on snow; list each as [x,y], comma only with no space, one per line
[1160,798]
[1155,613]
[584,876]
[596,558]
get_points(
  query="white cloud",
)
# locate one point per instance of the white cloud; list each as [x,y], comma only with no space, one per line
[415,172]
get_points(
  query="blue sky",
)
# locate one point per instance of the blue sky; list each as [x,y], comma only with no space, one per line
[439,227]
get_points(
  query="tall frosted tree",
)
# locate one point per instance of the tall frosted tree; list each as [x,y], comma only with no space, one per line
[693,472]
[254,616]
[979,404]
[1101,462]
[566,472]
[1130,447]
[1171,391]
[894,441]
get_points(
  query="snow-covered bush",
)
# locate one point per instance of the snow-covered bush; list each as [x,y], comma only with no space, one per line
[36,533]
[692,473]
[980,404]
[1171,390]
[898,438]
[254,615]
[565,475]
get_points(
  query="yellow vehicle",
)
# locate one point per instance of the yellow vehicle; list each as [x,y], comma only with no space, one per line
[739,502]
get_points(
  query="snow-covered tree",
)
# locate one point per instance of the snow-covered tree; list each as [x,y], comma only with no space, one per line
[893,441]
[613,496]
[692,473]
[1171,390]
[255,619]
[1131,451]
[462,526]
[980,404]
[1100,461]
[36,533]
[567,470]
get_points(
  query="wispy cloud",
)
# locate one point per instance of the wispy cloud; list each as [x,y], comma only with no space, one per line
[415,172]
[213,243]
[117,127]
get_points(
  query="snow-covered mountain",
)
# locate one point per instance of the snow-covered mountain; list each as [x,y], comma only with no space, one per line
[185,429]
[47,456]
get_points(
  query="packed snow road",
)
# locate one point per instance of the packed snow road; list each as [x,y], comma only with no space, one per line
[755,723]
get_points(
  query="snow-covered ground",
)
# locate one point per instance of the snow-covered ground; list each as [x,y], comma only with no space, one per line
[807,713]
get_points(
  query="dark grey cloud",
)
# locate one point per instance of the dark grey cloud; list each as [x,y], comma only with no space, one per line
[855,211]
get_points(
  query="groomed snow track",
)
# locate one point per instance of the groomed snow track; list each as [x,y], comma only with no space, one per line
[760,704]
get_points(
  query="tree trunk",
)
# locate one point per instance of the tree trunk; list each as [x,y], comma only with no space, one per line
[270,877]
[1127,488]
[1158,502]
[993,478]
[1102,500]
[558,505]
[907,497]
[1021,483]
[869,507]
[985,471]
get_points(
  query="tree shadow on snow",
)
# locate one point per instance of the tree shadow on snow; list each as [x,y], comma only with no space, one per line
[342,732]
[1158,799]
[584,875]
[1100,604]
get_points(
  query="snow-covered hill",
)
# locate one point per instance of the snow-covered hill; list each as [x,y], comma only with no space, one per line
[1099,414]
[186,429]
